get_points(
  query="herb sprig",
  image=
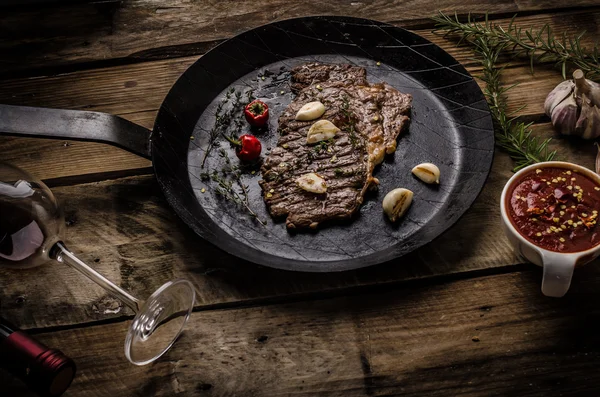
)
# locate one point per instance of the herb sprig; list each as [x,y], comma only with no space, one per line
[511,135]
[224,116]
[230,185]
[539,45]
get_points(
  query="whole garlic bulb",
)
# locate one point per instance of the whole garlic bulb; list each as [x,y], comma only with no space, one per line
[573,107]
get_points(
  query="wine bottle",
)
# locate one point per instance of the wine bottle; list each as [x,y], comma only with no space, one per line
[48,372]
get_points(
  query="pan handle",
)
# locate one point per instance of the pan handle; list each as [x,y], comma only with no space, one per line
[76,125]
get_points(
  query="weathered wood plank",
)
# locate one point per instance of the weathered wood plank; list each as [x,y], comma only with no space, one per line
[395,340]
[125,229]
[145,29]
[49,158]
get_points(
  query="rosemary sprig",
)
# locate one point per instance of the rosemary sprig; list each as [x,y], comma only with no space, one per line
[511,135]
[230,177]
[539,45]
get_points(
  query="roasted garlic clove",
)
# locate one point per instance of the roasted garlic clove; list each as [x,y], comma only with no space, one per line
[427,172]
[310,111]
[322,130]
[313,183]
[396,203]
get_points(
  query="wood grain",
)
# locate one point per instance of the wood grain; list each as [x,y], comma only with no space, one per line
[125,229]
[404,339]
[145,29]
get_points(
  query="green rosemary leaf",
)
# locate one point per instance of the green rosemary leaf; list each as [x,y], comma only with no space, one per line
[536,44]
[512,136]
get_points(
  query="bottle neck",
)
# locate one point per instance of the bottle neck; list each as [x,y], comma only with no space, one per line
[5,329]
[46,371]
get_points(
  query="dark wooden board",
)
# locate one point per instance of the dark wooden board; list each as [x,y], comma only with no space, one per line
[395,329]
[404,339]
[125,230]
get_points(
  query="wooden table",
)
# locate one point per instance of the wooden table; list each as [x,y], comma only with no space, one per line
[459,317]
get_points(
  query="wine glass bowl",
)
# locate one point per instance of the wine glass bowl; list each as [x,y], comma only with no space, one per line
[31,221]
[31,234]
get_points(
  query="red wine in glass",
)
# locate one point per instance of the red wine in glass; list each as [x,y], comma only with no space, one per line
[32,234]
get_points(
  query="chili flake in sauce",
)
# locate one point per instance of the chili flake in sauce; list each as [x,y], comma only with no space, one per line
[556,209]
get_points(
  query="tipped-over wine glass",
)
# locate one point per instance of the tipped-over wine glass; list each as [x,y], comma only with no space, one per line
[31,233]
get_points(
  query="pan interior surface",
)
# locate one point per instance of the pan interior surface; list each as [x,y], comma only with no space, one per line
[450,127]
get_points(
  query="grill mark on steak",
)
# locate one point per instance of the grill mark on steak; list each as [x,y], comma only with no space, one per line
[370,118]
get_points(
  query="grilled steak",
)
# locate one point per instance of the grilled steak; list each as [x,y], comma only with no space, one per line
[370,118]
[338,74]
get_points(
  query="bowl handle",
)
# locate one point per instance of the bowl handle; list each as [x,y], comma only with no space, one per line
[558,271]
[76,125]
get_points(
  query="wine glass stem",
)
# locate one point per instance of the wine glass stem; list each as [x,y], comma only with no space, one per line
[63,255]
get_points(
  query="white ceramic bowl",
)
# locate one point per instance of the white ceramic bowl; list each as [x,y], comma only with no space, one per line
[558,267]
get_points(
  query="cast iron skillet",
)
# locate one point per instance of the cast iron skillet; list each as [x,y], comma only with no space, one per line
[451,126]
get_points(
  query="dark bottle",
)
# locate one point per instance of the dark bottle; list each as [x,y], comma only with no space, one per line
[48,372]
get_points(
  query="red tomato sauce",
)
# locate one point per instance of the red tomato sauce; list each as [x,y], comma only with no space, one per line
[556,209]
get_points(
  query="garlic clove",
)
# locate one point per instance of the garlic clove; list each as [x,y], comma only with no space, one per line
[557,95]
[588,124]
[427,172]
[585,87]
[564,116]
[310,111]
[312,182]
[574,107]
[396,203]
[322,130]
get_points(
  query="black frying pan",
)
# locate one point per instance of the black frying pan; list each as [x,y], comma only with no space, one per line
[451,127]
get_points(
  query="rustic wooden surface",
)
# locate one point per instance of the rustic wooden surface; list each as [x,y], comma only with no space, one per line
[401,328]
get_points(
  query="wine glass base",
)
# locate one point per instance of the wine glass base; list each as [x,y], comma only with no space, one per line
[159,322]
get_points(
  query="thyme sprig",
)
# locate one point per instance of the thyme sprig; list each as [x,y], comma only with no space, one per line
[224,116]
[511,135]
[230,185]
[539,45]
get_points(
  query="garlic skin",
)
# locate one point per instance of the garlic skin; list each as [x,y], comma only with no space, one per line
[586,87]
[573,107]
[557,95]
[589,119]
[564,116]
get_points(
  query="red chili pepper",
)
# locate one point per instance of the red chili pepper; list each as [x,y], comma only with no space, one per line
[247,148]
[257,113]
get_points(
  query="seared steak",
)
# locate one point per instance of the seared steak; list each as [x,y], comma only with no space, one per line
[370,118]
[338,74]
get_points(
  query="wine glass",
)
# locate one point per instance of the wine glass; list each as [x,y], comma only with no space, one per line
[31,234]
